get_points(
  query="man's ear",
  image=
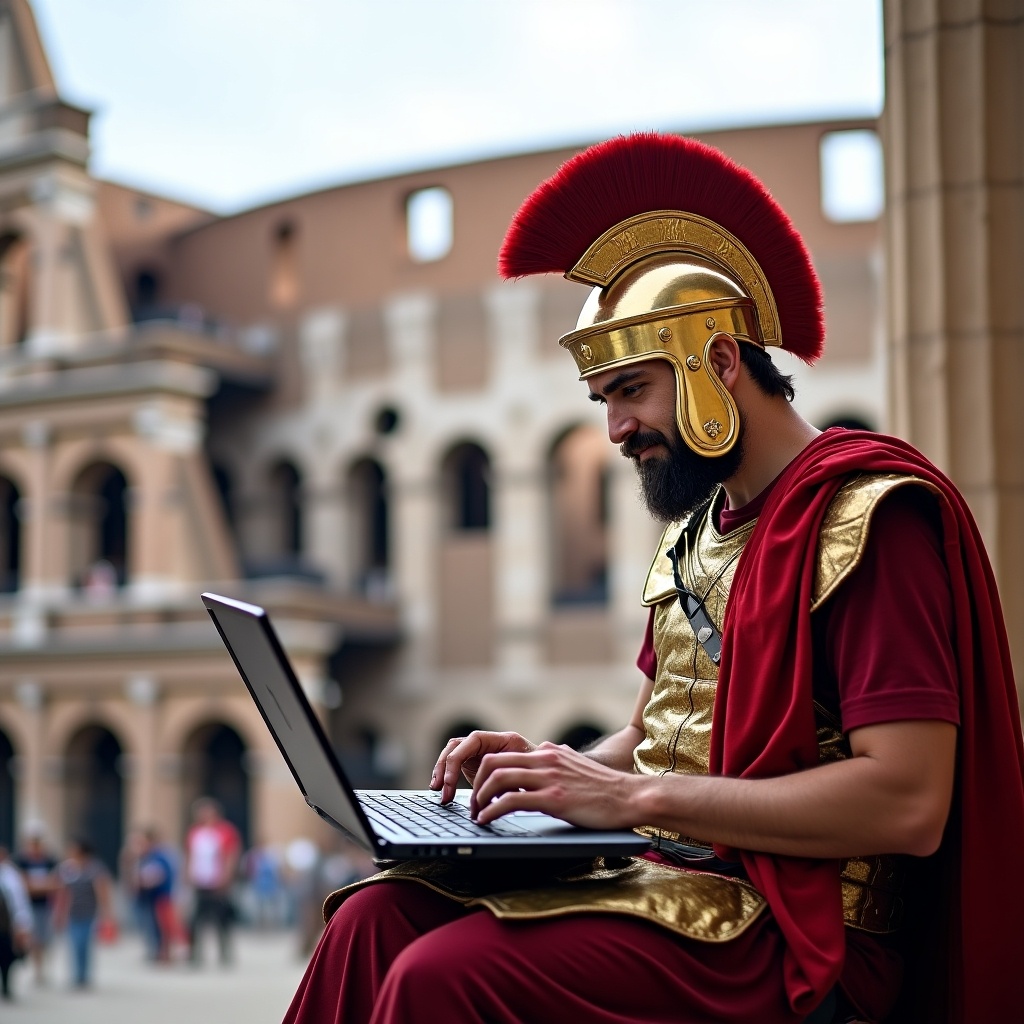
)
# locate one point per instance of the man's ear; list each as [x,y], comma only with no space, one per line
[724,357]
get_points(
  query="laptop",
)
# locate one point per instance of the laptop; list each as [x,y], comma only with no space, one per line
[389,824]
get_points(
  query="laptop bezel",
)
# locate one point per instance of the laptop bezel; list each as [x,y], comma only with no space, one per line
[371,841]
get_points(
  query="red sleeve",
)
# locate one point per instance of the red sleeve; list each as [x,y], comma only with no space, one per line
[887,632]
[647,660]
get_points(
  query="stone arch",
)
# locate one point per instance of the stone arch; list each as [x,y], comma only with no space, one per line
[70,460]
[94,797]
[8,790]
[99,529]
[10,535]
[466,487]
[578,473]
[366,490]
[215,762]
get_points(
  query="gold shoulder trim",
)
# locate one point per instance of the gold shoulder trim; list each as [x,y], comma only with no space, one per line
[660,583]
[844,531]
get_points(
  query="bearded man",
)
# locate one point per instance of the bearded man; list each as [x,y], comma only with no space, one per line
[828,702]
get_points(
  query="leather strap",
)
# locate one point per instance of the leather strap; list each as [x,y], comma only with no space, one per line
[693,607]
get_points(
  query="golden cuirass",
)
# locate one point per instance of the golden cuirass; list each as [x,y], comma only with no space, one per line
[677,719]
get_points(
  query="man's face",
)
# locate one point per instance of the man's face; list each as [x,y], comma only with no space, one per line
[641,405]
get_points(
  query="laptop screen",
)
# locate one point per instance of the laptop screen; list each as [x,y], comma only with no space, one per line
[262,663]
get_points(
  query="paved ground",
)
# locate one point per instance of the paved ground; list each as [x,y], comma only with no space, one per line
[127,990]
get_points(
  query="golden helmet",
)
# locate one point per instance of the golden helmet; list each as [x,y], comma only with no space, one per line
[680,244]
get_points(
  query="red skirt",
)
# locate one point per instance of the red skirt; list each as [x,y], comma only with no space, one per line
[398,953]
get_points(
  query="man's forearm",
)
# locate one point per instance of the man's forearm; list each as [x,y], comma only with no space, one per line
[847,808]
[616,749]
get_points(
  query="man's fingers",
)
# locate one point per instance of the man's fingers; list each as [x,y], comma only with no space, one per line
[502,773]
[462,755]
[465,749]
[437,775]
[515,800]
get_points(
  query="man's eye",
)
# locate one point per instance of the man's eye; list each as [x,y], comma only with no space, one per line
[631,389]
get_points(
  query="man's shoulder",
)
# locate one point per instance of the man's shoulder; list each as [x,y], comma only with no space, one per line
[846,526]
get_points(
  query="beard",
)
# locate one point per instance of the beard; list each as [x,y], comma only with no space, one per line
[673,485]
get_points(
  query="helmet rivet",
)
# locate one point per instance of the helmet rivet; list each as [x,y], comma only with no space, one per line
[665,334]
[712,428]
[586,353]
[693,362]
[710,323]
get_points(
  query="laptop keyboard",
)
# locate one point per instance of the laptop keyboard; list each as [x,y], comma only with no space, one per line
[426,818]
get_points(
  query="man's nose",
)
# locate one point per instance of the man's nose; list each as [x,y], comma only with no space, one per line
[620,426]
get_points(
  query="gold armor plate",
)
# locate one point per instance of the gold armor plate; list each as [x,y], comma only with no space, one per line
[705,907]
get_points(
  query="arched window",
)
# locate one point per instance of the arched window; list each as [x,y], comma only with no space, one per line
[286,489]
[10,537]
[15,275]
[215,764]
[368,497]
[146,299]
[99,529]
[6,791]
[94,791]
[577,470]
[466,472]
[429,224]
[284,272]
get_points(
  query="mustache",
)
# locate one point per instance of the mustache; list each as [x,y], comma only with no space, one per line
[636,443]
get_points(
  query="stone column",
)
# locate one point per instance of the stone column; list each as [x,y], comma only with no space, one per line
[321,342]
[409,321]
[522,563]
[954,136]
[31,796]
[35,436]
[143,692]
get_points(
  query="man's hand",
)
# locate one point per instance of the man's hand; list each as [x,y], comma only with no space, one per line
[557,780]
[465,753]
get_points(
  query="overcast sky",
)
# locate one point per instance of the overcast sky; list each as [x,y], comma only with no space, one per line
[228,103]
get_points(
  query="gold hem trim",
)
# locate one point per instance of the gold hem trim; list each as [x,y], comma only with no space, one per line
[537,915]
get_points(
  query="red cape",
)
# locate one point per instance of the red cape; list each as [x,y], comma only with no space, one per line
[764,726]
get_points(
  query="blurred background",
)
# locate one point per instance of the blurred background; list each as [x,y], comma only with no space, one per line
[252,340]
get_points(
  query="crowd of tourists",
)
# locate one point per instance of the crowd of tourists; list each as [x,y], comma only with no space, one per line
[173,898]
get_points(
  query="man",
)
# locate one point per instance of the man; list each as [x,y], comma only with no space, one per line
[38,865]
[84,906]
[827,675]
[154,886]
[213,848]
[15,919]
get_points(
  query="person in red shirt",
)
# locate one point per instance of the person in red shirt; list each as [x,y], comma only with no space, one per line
[827,692]
[212,851]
